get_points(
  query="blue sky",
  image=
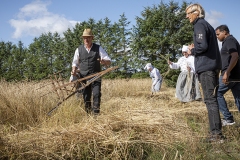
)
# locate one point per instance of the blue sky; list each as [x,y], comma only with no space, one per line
[25,19]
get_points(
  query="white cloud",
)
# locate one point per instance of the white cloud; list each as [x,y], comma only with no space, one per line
[213,18]
[34,19]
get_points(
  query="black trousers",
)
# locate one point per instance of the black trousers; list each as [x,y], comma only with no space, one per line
[209,83]
[94,89]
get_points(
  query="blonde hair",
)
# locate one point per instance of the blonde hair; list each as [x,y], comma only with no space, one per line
[197,8]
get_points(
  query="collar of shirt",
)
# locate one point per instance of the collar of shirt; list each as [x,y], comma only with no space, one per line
[195,21]
[87,48]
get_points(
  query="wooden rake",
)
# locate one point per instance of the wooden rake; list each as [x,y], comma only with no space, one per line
[66,90]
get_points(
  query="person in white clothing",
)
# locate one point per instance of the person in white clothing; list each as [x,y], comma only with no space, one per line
[156,77]
[187,88]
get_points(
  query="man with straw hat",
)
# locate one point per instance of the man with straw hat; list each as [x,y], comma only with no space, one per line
[88,59]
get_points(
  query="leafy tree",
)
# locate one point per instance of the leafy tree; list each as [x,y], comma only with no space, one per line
[108,42]
[72,39]
[160,33]
[60,61]
[5,55]
[12,61]
[18,55]
[157,36]
[43,53]
[115,42]
[3,58]
[123,54]
[104,36]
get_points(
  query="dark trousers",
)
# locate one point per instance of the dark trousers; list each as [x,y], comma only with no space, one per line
[93,89]
[223,88]
[209,83]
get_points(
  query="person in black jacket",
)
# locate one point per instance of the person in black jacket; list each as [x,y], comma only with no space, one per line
[230,73]
[88,59]
[207,65]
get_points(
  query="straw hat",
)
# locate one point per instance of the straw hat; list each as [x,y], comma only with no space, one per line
[87,32]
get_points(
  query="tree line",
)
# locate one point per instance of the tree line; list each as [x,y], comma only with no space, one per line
[158,35]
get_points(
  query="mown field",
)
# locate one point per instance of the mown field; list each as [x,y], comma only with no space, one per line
[134,124]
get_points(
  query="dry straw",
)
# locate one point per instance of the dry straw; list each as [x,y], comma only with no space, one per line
[131,121]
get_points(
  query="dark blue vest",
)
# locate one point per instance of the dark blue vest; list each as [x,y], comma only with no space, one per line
[89,62]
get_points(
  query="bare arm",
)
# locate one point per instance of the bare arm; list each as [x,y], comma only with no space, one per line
[75,62]
[233,62]
[105,59]
[105,62]
[74,70]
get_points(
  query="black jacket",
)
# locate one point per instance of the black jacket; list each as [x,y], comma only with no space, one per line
[206,50]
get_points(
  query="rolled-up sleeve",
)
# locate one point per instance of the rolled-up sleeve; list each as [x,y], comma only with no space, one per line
[176,65]
[103,54]
[75,62]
